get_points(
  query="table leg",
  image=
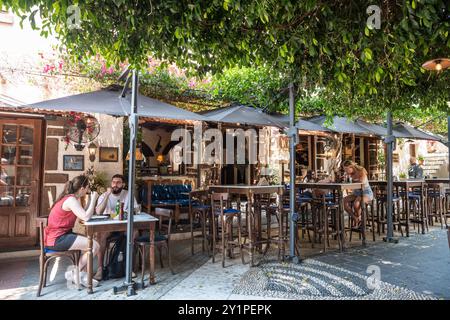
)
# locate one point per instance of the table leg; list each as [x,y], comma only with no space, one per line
[342,221]
[259,227]
[407,210]
[152,253]
[281,235]
[250,228]
[90,263]
[363,219]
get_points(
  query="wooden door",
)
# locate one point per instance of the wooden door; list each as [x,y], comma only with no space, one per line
[20,168]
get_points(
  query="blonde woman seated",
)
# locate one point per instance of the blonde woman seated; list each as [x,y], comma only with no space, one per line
[352,202]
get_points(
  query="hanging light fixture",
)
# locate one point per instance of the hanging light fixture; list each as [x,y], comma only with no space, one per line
[92,151]
[139,156]
[437,64]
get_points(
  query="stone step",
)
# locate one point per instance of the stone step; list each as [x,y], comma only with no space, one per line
[431,167]
[435,154]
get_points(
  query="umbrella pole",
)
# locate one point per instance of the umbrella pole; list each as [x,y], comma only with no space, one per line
[390,184]
[292,142]
[129,285]
[448,145]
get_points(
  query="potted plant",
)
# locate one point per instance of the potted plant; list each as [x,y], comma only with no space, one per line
[421,159]
[99,182]
[402,175]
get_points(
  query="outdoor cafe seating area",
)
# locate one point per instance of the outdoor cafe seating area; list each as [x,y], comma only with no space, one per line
[418,205]
[248,222]
[235,213]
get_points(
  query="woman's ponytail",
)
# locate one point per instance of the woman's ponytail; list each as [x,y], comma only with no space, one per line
[72,186]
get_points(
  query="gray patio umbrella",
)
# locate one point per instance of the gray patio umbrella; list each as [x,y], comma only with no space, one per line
[402,130]
[301,124]
[109,101]
[242,115]
[310,126]
[342,125]
[375,128]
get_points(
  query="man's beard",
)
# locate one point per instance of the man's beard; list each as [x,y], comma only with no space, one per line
[117,190]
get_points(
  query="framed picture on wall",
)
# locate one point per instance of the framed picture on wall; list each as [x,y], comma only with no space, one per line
[73,163]
[108,154]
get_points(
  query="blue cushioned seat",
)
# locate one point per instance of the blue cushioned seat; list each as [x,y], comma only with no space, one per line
[47,250]
[228,211]
[384,198]
[414,196]
[304,199]
[201,206]
[146,238]
[169,194]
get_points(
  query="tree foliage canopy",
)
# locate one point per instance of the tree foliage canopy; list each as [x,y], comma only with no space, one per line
[323,46]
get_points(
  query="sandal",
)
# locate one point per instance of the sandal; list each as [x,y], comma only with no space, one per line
[99,274]
[71,275]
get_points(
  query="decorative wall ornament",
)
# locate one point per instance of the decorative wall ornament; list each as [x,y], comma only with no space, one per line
[80,129]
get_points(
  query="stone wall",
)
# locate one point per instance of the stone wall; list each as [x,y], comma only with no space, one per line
[111,135]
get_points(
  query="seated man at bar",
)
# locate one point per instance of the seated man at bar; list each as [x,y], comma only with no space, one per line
[310,176]
[106,205]
[352,202]
[415,171]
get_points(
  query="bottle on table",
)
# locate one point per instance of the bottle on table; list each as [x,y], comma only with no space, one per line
[121,216]
[117,210]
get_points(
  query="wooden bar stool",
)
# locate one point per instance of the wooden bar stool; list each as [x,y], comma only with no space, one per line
[222,225]
[264,203]
[200,208]
[447,207]
[435,204]
[381,210]
[162,239]
[418,210]
[325,220]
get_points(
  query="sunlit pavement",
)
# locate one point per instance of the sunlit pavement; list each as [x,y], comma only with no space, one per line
[417,267]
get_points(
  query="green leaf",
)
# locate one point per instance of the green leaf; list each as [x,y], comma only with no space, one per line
[283,49]
[367,54]
[326,50]
[377,77]
[178,33]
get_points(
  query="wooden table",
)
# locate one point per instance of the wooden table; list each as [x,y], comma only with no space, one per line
[438,180]
[141,221]
[339,187]
[249,191]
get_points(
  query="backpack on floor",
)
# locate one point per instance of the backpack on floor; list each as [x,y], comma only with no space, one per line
[117,260]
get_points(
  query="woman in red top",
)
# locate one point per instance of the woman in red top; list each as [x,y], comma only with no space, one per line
[65,211]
